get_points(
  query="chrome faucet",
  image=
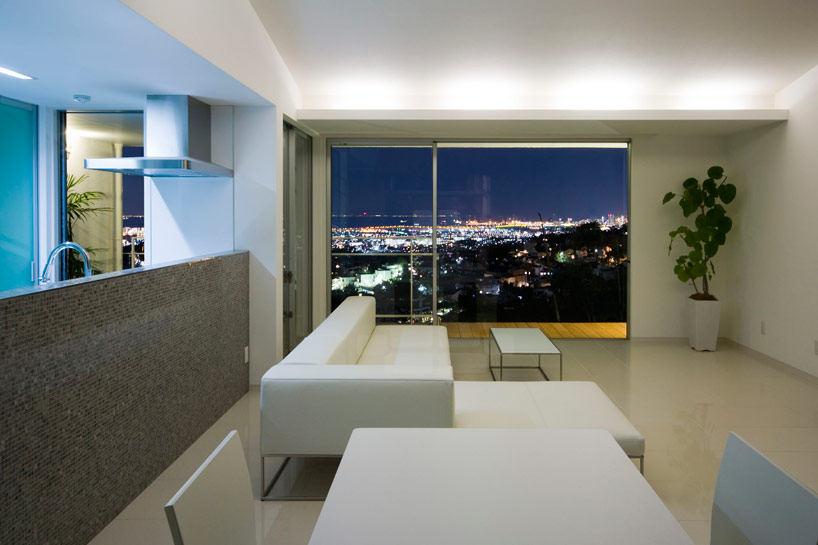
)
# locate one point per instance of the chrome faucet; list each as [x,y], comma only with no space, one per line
[86,259]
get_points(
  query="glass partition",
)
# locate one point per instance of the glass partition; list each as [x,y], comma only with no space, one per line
[18,156]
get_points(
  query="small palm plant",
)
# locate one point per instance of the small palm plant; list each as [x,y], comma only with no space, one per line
[710,232]
[79,206]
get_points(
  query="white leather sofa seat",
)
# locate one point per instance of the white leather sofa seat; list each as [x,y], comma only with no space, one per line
[311,410]
[401,345]
[570,404]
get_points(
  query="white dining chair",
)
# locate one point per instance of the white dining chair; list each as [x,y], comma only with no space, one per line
[757,503]
[215,506]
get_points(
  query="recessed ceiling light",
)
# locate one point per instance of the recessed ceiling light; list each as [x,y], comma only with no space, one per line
[14,74]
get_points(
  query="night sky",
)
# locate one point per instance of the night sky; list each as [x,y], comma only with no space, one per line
[481,183]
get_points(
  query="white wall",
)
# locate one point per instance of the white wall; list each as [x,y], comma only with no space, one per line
[776,171]
[258,205]
[659,164]
[190,217]
[187,217]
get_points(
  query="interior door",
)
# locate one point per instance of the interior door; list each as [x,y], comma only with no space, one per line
[297,236]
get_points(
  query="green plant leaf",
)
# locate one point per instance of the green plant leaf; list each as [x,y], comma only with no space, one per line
[690,183]
[689,206]
[725,224]
[727,192]
[668,197]
[703,201]
[715,172]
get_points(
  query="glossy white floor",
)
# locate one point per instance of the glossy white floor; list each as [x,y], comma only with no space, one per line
[684,403]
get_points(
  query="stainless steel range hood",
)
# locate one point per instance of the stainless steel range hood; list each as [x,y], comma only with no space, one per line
[177,142]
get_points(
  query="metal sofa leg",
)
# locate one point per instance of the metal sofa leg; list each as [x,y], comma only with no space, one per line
[641,462]
[266,489]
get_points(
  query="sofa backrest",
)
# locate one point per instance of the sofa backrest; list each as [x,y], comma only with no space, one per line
[318,350]
[341,338]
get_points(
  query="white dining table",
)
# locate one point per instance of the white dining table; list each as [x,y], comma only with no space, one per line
[491,486]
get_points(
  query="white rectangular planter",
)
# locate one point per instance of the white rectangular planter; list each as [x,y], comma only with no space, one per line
[703,319]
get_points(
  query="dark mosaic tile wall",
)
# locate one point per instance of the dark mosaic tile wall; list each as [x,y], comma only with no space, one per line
[104,384]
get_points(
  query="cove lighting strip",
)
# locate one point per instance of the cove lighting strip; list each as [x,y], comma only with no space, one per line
[13,74]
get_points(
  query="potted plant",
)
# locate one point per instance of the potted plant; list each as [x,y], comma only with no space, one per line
[706,202]
[78,206]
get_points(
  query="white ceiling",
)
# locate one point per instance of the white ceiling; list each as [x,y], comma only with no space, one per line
[526,128]
[103,49]
[575,54]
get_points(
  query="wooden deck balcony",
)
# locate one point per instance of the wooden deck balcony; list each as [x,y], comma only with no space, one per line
[554,330]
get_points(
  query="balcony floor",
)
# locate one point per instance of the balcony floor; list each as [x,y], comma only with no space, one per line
[554,330]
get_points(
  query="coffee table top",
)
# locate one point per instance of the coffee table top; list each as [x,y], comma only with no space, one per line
[488,486]
[523,340]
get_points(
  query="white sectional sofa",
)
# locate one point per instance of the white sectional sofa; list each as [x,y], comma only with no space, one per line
[350,373]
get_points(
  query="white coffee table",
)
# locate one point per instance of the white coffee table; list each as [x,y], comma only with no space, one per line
[522,341]
[438,486]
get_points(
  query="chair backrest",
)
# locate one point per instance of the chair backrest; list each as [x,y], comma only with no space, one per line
[215,506]
[757,503]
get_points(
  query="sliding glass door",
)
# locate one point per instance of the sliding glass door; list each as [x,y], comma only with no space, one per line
[382,223]
[532,232]
[18,156]
[485,233]
[297,236]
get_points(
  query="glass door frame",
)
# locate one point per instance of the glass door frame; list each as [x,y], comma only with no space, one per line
[433,143]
